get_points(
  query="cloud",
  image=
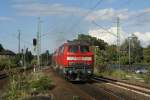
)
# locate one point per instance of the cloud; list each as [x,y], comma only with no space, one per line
[42,9]
[139,18]
[107,36]
[24,1]
[6,19]
[107,14]
[34,8]
[132,18]
[143,37]
[111,39]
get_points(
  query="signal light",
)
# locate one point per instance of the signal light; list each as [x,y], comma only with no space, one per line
[34,42]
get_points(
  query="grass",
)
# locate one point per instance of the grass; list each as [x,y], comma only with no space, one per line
[126,75]
[43,83]
[26,85]
[116,73]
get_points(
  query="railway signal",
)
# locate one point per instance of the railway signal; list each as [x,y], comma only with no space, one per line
[34,42]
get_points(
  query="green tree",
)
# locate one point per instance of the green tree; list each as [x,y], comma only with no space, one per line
[112,53]
[100,60]
[1,48]
[136,49]
[46,58]
[124,60]
[17,60]
[28,56]
[93,41]
[147,54]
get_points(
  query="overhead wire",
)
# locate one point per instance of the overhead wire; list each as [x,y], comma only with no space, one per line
[47,33]
[21,39]
[87,14]
[134,17]
[106,30]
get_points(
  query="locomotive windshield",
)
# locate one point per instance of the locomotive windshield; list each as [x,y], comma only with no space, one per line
[73,48]
[84,48]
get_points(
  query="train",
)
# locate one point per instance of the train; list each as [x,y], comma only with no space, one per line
[74,60]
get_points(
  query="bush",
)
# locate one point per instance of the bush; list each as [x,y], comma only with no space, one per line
[147,76]
[24,86]
[119,74]
[7,63]
[4,64]
[41,84]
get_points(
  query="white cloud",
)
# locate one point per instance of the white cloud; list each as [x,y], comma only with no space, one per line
[143,37]
[107,14]
[140,17]
[106,36]
[24,1]
[111,39]
[34,8]
[6,19]
[37,9]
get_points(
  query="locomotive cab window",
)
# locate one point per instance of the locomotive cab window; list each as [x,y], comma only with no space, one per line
[73,48]
[84,48]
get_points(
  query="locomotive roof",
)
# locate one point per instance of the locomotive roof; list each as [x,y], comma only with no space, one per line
[77,43]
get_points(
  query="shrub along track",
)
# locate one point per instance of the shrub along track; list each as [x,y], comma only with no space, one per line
[124,88]
[4,77]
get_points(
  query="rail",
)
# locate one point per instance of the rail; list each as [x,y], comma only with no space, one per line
[124,85]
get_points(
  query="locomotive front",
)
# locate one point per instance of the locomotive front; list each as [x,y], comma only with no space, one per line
[79,62]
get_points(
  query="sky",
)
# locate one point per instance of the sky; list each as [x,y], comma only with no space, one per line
[63,20]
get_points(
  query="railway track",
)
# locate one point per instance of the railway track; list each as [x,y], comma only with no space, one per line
[99,93]
[140,90]
[3,75]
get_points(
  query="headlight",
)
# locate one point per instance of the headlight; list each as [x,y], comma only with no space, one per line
[70,71]
[89,71]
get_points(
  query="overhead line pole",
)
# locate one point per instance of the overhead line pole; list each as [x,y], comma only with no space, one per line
[129,53]
[118,40]
[118,37]
[38,42]
[18,41]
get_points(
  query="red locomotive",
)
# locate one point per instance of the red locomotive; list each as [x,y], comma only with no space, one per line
[74,60]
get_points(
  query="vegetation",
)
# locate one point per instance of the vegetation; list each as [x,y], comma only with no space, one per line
[46,58]
[112,54]
[28,56]
[136,50]
[108,54]
[24,86]
[147,76]
[41,84]
[147,54]
[1,48]
[93,41]
[7,63]
[114,73]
